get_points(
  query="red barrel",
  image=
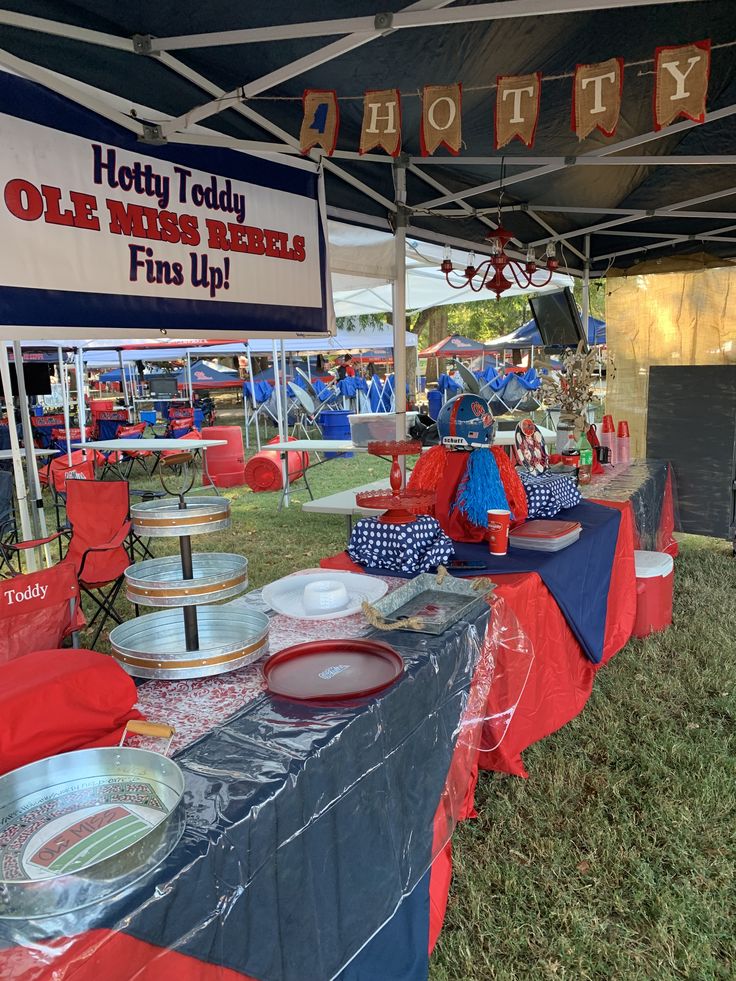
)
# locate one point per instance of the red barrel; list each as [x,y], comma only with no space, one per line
[224,464]
[263,471]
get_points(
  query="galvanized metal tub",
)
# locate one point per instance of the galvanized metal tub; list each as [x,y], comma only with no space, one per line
[77,828]
[164,518]
[153,646]
[159,582]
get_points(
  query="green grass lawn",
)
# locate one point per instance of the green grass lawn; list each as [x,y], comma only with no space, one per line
[615,860]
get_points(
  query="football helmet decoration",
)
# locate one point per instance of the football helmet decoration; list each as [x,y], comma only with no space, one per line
[466,423]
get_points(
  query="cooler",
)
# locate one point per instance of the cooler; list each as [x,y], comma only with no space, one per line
[654,580]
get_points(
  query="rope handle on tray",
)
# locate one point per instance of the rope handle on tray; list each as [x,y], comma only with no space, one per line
[377,620]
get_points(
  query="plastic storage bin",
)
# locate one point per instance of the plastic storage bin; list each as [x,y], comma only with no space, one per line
[655,573]
[369,426]
[335,425]
[435,400]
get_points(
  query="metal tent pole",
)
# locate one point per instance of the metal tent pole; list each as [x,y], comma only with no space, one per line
[399,300]
[20,483]
[245,405]
[285,410]
[124,384]
[586,285]
[63,381]
[38,518]
[280,422]
[189,379]
[253,396]
[81,407]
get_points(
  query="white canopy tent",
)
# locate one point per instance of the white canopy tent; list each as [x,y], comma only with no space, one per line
[341,343]
[363,271]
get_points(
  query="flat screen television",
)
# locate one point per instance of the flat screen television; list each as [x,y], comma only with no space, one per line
[165,386]
[558,319]
[37,377]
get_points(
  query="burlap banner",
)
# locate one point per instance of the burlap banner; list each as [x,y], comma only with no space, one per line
[381,122]
[320,122]
[681,82]
[441,118]
[517,108]
[596,97]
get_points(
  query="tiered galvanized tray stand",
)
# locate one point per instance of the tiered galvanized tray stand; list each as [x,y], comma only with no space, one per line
[187,638]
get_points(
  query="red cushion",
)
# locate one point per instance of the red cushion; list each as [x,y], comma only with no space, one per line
[55,701]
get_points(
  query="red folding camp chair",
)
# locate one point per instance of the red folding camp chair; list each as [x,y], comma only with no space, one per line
[121,463]
[59,472]
[38,611]
[98,514]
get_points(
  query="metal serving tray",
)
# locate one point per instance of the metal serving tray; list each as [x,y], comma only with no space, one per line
[159,582]
[154,646]
[80,827]
[164,518]
[437,606]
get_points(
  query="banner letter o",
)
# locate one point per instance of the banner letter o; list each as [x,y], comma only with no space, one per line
[451,113]
[23,199]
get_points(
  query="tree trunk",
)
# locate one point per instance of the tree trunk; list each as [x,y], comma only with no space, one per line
[437,324]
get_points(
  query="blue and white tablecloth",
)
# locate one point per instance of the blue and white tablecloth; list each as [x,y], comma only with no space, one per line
[549,493]
[410,548]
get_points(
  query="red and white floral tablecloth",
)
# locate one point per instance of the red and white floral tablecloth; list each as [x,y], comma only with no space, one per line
[195,706]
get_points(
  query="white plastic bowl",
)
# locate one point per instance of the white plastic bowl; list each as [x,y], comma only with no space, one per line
[324,596]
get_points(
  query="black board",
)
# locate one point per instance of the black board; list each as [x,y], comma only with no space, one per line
[692,423]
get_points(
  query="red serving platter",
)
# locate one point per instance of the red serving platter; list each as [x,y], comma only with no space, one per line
[332,670]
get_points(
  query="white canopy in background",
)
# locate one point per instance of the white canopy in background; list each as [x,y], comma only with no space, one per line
[341,343]
[362,264]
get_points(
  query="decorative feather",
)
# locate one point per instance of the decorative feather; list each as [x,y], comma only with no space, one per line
[512,485]
[481,488]
[427,473]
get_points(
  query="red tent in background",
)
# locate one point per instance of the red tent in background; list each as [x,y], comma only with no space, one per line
[454,346]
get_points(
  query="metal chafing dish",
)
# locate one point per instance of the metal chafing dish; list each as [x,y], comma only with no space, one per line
[77,828]
[159,582]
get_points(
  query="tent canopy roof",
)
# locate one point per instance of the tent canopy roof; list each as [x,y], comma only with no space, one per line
[454,345]
[96,354]
[556,198]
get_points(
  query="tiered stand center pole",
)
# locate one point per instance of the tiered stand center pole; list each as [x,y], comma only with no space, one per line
[191,627]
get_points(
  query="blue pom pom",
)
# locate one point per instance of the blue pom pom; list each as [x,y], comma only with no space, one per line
[481,489]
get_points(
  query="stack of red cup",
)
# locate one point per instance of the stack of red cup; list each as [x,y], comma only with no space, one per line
[623,443]
[608,437]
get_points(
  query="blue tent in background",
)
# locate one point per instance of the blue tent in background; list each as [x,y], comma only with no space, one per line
[528,336]
[115,374]
[209,374]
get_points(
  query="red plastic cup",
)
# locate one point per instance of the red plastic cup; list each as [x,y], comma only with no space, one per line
[498,531]
[608,426]
[623,428]
[555,458]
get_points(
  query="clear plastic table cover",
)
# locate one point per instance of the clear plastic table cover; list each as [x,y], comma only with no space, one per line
[306,826]
[644,483]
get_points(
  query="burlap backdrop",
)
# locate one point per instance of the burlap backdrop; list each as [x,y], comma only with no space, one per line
[683,317]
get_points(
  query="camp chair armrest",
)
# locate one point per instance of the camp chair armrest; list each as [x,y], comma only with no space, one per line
[34,542]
